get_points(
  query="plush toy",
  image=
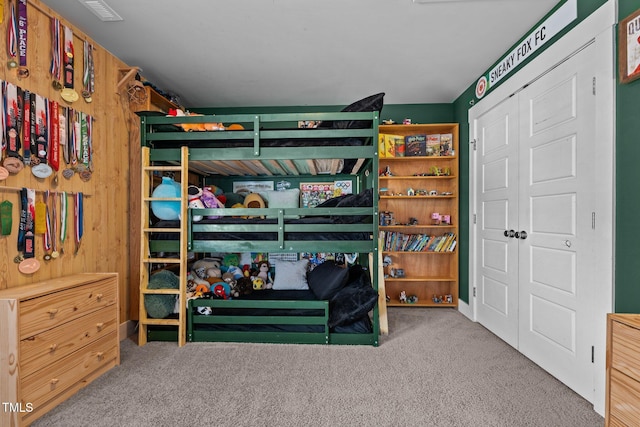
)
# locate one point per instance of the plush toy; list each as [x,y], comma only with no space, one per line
[230,260]
[160,306]
[195,202]
[205,268]
[189,127]
[209,200]
[244,286]
[258,284]
[264,272]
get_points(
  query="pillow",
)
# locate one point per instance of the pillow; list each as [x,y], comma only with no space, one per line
[283,199]
[353,301]
[291,275]
[370,103]
[327,279]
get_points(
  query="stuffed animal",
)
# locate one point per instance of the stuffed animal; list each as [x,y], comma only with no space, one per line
[189,127]
[244,286]
[264,272]
[209,200]
[205,268]
[258,284]
[195,202]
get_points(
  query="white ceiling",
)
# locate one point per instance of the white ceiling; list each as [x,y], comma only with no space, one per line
[230,53]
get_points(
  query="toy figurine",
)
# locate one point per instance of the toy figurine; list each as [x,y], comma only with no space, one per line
[403,297]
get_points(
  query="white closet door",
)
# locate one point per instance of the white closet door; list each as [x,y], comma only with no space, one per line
[557,174]
[497,201]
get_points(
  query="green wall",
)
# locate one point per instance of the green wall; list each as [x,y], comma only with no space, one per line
[627,225]
[461,108]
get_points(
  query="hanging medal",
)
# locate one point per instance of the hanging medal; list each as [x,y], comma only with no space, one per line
[54,226]
[41,169]
[28,264]
[78,219]
[4,173]
[23,29]
[13,122]
[84,148]
[88,77]
[56,54]
[12,37]
[26,127]
[46,239]
[53,157]
[65,140]
[63,220]
[68,94]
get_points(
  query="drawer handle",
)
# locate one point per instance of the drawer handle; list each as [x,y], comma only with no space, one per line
[52,312]
[99,326]
[99,297]
[54,381]
[100,355]
[53,347]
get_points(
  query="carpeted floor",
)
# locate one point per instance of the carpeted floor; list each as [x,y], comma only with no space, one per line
[435,368]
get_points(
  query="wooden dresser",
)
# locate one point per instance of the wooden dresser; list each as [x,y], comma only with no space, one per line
[56,337]
[622,404]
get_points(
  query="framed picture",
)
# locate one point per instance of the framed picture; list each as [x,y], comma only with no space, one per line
[629,47]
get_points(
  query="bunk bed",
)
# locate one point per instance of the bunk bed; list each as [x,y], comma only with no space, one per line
[338,306]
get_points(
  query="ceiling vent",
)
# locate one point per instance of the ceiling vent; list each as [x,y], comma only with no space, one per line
[102,10]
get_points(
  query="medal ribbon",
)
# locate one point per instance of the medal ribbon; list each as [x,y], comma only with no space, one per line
[12,31]
[12,122]
[56,52]
[3,122]
[29,247]
[54,222]
[84,139]
[88,78]
[68,57]
[26,126]
[54,126]
[41,128]
[63,217]
[47,233]
[77,139]
[24,212]
[64,135]
[78,218]
[22,32]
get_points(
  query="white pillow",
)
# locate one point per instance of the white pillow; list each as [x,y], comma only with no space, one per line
[283,199]
[291,275]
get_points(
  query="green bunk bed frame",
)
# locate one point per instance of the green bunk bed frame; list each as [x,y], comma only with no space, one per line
[257,153]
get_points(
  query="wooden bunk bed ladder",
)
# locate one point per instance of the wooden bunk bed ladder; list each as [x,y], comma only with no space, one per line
[179,322]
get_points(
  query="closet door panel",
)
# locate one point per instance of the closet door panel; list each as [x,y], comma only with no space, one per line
[557,116]
[497,187]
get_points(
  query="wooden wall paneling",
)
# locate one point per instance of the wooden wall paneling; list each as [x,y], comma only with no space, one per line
[106,239]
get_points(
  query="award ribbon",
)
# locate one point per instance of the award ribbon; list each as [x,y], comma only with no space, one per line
[63,219]
[54,222]
[47,234]
[54,126]
[12,37]
[68,94]
[29,248]
[78,219]
[13,160]
[56,54]
[22,32]
[88,78]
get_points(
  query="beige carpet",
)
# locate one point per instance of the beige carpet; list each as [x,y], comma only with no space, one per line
[435,368]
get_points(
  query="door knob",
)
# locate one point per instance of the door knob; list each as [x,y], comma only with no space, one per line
[521,235]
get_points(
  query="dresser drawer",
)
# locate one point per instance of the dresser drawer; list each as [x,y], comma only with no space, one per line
[42,313]
[625,349]
[624,398]
[67,372]
[43,349]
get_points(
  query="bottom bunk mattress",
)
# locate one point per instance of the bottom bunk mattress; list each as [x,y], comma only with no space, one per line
[347,315]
